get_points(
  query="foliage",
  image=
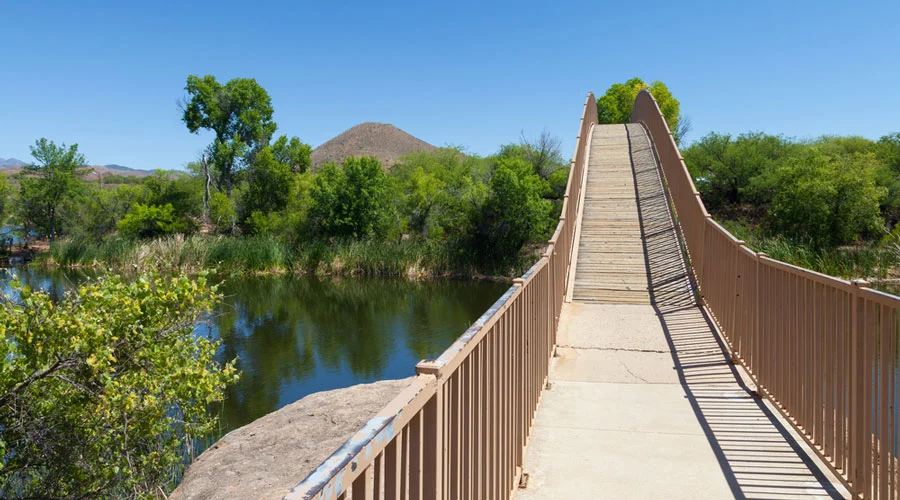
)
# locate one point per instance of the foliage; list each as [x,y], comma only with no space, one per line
[240,115]
[826,199]
[542,153]
[102,393]
[99,210]
[822,193]
[269,254]
[293,153]
[514,213]
[353,200]
[440,192]
[222,212]
[268,185]
[46,185]
[871,260]
[732,171]
[148,221]
[5,193]
[616,105]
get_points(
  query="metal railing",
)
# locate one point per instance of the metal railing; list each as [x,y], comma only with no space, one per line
[822,349]
[460,429]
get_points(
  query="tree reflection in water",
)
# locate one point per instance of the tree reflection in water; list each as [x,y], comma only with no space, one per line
[297,335]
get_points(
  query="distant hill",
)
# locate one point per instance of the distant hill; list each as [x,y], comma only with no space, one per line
[10,162]
[118,167]
[95,171]
[381,140]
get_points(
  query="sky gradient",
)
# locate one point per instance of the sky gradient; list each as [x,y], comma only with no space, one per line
[109,75]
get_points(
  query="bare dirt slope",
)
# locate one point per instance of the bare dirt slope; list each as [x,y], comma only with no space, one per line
[381,140]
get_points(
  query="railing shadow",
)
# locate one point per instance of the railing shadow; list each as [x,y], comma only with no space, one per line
[758,456]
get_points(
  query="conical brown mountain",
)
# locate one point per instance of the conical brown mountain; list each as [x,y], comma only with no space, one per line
[381,140]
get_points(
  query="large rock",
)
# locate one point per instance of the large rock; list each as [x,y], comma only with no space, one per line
[268,457]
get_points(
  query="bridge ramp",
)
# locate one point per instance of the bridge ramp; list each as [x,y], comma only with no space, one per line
[610,265]
[644,402]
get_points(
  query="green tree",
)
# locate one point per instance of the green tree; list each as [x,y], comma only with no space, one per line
[514,213]
[441,192]
[542,153]
[99,210]
[240,115]
[293,153]
[826,199]
[5,193]
[732,171]
[353,200]
[149,221]
[44,186]
[268,183]
[888,153]
[616,105]
[102,392]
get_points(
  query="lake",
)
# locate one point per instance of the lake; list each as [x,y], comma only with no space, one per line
[293,336]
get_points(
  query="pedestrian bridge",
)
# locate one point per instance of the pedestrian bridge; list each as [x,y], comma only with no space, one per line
[648,354]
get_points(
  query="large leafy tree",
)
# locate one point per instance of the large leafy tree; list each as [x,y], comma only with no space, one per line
[514,213]
[102,392]
[238,112]
[46,184]
[616,105]
[826,199]
[353,200]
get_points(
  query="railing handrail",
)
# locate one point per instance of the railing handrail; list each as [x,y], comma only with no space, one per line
[821,348]
[544,284]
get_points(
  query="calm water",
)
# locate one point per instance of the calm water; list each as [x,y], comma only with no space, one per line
[294,336]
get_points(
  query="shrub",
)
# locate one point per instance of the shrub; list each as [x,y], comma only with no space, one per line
[102,393]
[148,221]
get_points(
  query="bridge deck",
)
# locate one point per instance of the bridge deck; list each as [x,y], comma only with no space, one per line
[644,403]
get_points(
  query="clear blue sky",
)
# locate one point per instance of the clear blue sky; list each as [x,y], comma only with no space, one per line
[108,75]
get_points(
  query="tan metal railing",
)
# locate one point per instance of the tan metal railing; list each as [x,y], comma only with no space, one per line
[822,349]
[460,429]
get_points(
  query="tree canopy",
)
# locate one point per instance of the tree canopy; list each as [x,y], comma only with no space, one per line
[824,192]
[616,105]
[353,200]
[49,182]
[240,115]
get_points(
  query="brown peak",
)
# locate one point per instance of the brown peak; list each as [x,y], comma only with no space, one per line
[381,140]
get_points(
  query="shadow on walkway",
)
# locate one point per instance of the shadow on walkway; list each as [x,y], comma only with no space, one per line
[758,456]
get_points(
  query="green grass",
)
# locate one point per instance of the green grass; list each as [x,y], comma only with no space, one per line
[264,254]
[875,260]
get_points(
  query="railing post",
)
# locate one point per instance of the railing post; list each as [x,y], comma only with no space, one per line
[759,332]
[700,266]
[432,435]
[737,333]
[858,405]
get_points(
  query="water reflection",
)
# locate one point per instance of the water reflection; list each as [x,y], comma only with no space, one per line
[293,336]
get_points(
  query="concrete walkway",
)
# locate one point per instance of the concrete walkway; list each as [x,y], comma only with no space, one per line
[644,403]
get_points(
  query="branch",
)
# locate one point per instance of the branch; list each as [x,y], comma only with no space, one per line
[60,364]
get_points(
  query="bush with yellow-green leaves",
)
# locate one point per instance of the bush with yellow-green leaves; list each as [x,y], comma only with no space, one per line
[103,391]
